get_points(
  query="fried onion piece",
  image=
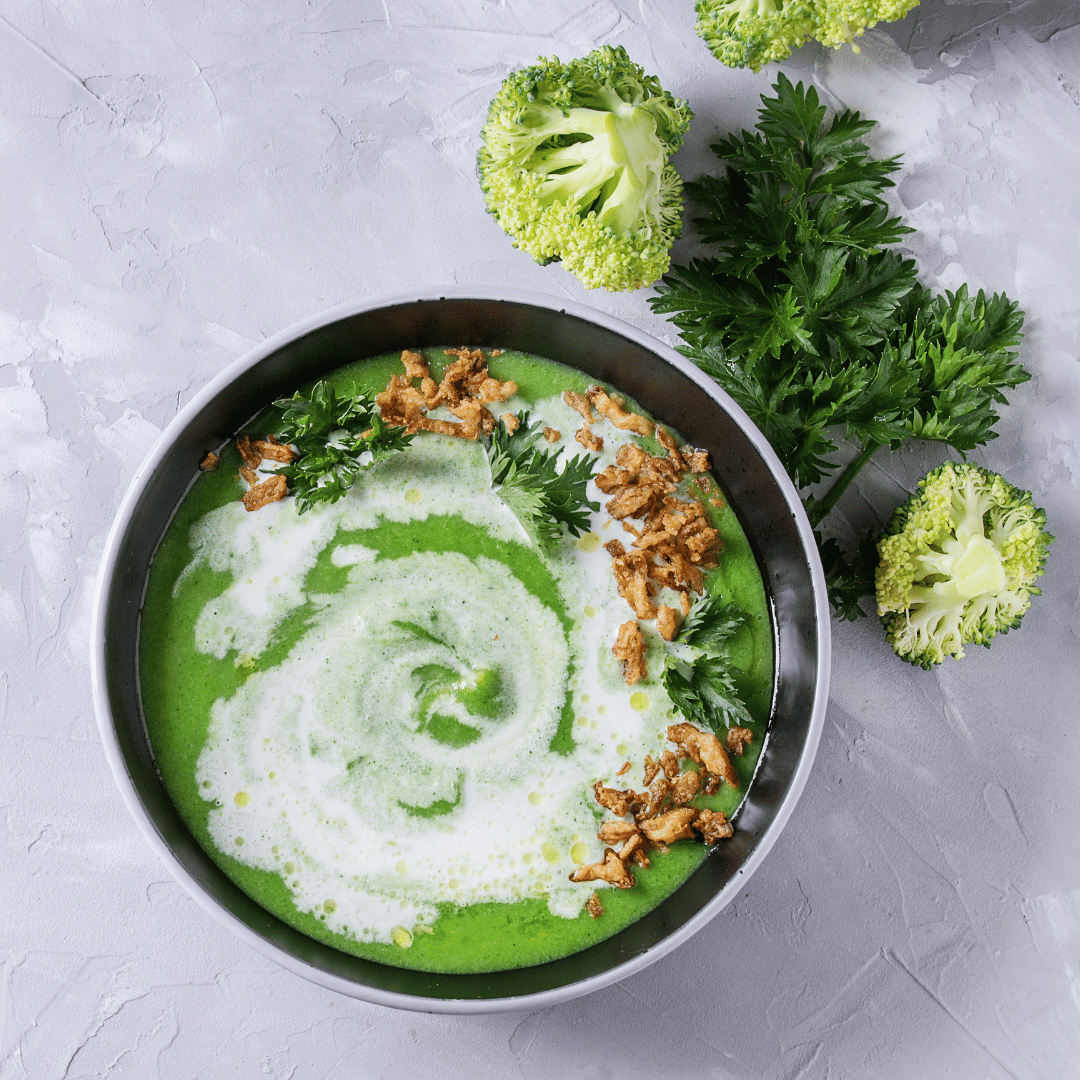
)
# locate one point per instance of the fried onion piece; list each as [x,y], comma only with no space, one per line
[737,738]
[620,803]
[659,793]
[667,763]
[252,458]
[494,390]
[713,826]
[632,580]
[705,749]
[510,422]
[210,462]
[272,450]
[267,491]
[580,405]
[472,412]
[401,403]
[626,767]
[612,478]
[612,870]
[629,647]
[631,458]
[630,501]
[249,475]
[670,826]
[461,378]
[616,832]
[634,850]
[698,461]
[665,439]
[614,548]
[415,365]
[667,621]
[686,786]
[594,907]
[553,435]
[589,439]
[613,411]
[446,427]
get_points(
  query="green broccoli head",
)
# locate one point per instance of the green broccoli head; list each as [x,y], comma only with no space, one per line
[574,166]
[958,563]
[750,33]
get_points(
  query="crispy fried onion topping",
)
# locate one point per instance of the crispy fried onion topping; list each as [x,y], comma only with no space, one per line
[612,870]
[466,389]
[674,542]
[737,738]
[661,815]
[589,439]
[265,491]
[704,748]
[629,647]
[252,454]
[611,409]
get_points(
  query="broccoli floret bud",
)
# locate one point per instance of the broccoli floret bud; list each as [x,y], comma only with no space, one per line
[750,33]
[574,166]
[958,563]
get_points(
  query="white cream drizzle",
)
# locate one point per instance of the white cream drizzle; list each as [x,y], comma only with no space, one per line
[314,763]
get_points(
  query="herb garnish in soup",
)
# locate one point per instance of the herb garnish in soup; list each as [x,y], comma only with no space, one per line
[456,661]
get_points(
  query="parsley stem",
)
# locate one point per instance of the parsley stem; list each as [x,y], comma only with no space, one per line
[821,509]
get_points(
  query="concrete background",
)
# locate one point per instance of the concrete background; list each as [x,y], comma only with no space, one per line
[178,181]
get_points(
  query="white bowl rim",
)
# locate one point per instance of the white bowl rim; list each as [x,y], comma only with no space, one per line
[138,811]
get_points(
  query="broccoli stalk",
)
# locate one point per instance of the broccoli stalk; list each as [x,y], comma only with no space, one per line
[958,563]
[574,166]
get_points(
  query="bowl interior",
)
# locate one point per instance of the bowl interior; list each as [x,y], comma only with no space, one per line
[606,354]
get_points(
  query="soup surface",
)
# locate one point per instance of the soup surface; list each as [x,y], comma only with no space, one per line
[383,718]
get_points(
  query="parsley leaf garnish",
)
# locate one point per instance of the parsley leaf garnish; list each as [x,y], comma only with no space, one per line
[816,326]
[529,482]
[338,436]
[703,690]
[711,623]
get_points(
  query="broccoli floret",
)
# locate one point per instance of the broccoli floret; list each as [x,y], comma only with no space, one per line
[958,563]
[574,166]
[750,33]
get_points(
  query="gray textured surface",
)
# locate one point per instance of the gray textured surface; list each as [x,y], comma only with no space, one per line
[180,180]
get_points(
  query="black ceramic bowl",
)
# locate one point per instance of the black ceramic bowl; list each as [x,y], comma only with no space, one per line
[671,389]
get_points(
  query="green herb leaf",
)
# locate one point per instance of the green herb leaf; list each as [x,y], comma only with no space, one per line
[704,691]
[338,437]
[529,482]
[815,326]
[849,580]
[711,622]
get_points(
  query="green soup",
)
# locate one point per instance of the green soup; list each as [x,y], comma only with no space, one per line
[382,718]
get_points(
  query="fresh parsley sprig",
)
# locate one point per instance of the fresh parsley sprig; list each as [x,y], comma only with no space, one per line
[711,623]
[703,689]
[529,482]
[816,326]
[338,436]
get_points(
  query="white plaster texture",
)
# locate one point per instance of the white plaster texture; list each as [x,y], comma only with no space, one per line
[180,180]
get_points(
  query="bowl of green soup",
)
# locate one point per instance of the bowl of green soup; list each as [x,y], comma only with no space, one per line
[388,738]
